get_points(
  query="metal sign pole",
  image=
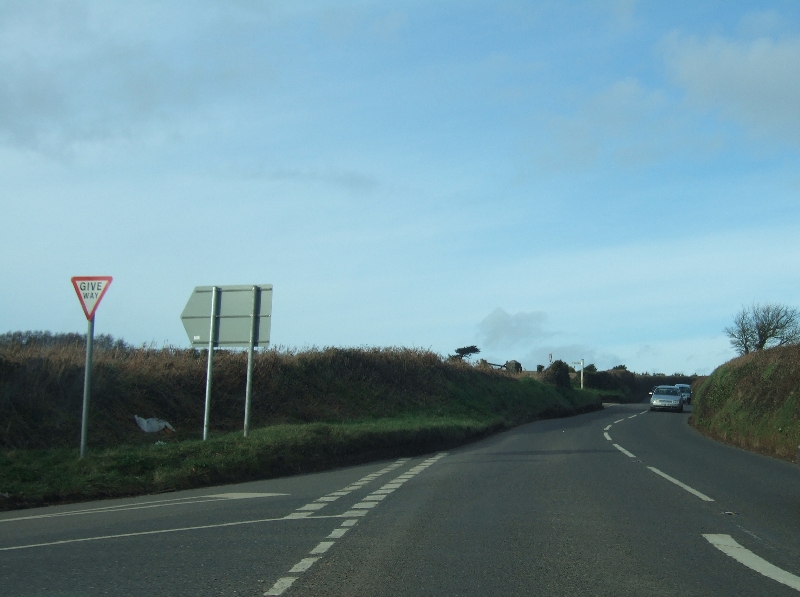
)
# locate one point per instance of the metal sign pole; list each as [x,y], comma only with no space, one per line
[87,386]
[249,390]
[211,342]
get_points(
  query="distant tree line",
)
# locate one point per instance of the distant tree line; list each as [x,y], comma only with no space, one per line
[51,340]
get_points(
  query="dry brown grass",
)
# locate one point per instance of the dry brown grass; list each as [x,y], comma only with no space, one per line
[41,389]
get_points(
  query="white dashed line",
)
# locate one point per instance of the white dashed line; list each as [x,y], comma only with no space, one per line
[279,587]
[607,427]
[607,436]
[632,416]
[644,412]
[624,451]
[357,510]
[303,564]
[691,490]
[321,548]
[728,545]
[618,421]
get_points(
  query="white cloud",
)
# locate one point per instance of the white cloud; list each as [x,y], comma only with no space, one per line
[624,125]
[755,83]
[500,329]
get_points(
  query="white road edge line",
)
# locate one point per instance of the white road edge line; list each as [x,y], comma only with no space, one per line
[691,490]
[624,451]
[728,545]
[606,435]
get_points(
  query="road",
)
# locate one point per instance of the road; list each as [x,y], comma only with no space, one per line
[617,502]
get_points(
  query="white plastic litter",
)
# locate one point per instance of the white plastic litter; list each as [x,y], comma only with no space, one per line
[152,425]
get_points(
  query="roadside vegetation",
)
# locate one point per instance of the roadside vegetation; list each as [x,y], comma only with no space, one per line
[753,402]
[311,410]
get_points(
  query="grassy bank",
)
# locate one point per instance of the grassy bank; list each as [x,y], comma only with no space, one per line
[311,411]
[752,402]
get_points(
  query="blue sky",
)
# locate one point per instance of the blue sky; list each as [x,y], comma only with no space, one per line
[601,180]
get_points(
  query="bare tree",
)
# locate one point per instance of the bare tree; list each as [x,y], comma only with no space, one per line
[763,326]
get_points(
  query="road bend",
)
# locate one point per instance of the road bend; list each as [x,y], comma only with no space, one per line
[622,501]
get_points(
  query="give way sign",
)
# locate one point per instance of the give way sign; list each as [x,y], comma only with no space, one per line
[90,291]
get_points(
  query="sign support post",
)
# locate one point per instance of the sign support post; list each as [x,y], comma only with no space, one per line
[87,385]
[90,291]
[212,339]
[249,389]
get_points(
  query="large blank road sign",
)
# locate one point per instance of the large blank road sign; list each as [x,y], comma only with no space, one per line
[236,306]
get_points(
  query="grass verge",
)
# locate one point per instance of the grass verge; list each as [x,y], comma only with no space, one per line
[31,478]
[752,402]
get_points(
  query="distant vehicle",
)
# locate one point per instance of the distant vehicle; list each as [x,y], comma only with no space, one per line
[666,398]
[686,392]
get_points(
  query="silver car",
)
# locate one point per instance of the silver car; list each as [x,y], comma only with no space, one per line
[686,392]
[666,398]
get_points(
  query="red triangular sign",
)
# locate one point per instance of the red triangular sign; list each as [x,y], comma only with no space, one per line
[90,291]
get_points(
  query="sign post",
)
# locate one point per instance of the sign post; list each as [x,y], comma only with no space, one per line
[90,291]
[229,317]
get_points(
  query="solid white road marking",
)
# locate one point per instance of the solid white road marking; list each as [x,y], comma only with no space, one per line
[691,490]
[607,427]
[349,523]
[303,565]
[728,545]
[337,533]
[199,499]
[158,532]
[624,451]
[607,436]
[279,587]
[321,548]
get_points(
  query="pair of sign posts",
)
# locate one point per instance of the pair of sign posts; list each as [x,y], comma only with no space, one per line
[214,316]
[229,317]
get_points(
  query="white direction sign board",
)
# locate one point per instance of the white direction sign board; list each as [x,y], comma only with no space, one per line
[90,291]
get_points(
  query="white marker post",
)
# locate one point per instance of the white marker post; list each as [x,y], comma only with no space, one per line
[581,364]
[90,291]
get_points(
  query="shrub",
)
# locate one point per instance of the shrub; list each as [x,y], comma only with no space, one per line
[557,374]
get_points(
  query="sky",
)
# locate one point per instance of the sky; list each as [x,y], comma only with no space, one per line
[608,181]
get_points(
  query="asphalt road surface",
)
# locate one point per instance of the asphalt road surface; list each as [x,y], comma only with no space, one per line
[618,502]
